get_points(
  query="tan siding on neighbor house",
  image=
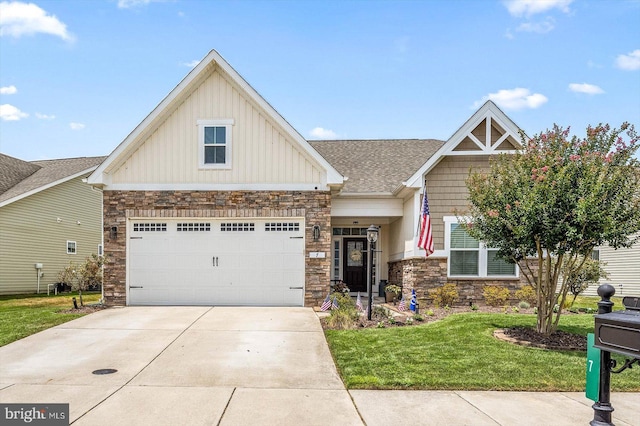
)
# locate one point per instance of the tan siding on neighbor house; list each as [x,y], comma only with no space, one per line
[261,150]
[30,233]
[447,190]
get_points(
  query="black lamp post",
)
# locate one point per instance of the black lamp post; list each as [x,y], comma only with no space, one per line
[372,237]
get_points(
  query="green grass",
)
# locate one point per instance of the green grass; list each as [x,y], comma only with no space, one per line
[23,315]
[460,352]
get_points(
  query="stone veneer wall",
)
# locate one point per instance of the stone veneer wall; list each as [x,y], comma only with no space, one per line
[424,274]
[315,207]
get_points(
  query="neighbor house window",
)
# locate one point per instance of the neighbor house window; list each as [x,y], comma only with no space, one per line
[214,140]
[468,257]
[71,247]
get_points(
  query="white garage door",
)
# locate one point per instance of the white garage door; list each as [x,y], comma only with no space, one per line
[216,262]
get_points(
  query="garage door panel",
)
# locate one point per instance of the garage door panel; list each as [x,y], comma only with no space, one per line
[217,262]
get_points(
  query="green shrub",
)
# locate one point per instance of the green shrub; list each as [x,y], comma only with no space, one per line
[524,304]
[418,317]
[527,294]
[495,295]
[345,316]
[446,295]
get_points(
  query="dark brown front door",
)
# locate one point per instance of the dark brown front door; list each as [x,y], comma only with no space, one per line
[355,264]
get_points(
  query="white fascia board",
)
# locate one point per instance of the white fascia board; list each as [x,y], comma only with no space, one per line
[217,187]
[333,177]
[47,186]
[488,109]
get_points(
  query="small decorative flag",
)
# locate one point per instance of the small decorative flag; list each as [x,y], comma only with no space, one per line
[334,305]
[326,304]
[412,306]
[402,306]
[359,303]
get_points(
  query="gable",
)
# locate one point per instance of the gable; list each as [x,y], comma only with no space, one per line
[487,132]
[163,152]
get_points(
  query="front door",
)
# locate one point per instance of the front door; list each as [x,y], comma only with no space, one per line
[355,264]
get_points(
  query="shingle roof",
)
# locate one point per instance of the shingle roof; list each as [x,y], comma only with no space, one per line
[378,166]
[43,173]
[13,170]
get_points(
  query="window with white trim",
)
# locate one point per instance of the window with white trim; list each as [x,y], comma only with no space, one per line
[470,258]
[71,247]
[214,143]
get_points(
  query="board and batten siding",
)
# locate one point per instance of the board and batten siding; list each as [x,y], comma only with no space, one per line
[261,150]
[447,190]
[31,233]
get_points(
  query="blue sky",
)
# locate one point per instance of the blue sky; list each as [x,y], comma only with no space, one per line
[77,76]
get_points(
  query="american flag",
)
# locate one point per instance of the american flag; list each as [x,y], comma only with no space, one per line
[425,240]
[359,303]
[326,304]
[403,305]
[334,305]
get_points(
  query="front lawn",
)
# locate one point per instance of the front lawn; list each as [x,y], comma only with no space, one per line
[23,315]
[460,352]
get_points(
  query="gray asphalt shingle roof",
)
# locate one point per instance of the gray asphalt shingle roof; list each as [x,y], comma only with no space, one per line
[378,166]
[18,177]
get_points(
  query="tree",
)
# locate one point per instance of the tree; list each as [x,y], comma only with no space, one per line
[83,277]
[548,205]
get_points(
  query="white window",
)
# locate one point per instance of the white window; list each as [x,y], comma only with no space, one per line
[214,143]
[71,247]
[470,258]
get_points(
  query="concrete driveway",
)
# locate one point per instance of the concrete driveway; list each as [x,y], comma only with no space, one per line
[182,365]
[240,366]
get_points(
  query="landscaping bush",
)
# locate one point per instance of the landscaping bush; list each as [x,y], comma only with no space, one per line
[495,295]
[526,294]
[446,295]
[345,316]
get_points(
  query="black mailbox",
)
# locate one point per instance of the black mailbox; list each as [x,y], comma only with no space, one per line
[619,331]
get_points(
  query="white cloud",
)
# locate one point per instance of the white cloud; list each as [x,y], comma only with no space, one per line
[191,64]
[129,4]
[18,19]
[520,8]
[8,90]
[321,133]
[76,126]
[541,27]
[589,89]
[514,99]
[11,113]
[44,116]
[630,62]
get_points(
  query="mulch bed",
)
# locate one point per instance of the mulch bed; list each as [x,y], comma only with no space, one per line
[86,309]
[524,336]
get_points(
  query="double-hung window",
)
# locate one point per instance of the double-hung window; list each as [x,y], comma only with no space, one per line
[214,143]
[468,257]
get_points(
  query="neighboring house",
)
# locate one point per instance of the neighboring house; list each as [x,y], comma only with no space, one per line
[214,198]
[623,270]
[48,217]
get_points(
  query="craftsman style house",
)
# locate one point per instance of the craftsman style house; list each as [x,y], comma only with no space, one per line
[214,198]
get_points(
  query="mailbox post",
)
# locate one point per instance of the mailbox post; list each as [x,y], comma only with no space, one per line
[617,332]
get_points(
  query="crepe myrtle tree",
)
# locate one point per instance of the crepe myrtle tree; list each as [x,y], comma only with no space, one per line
[548,205]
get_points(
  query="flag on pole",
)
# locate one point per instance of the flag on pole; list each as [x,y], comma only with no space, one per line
[412,306]
[326,304]
[334,305]
[425,240]
[402,306]
[359,303]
